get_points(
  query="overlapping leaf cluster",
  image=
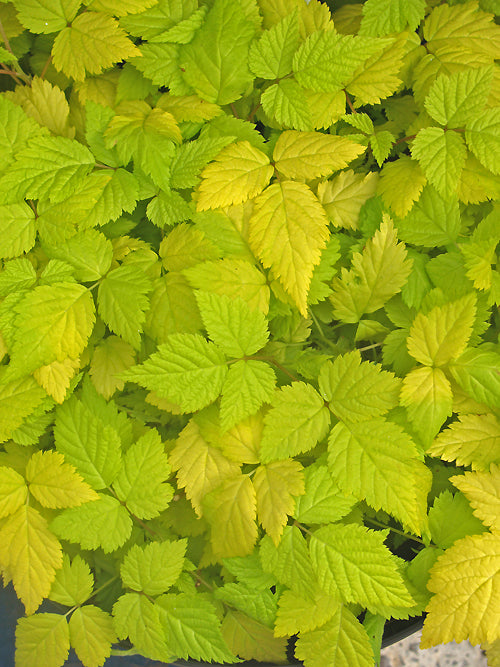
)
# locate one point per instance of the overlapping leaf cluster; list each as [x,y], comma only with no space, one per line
[249,319]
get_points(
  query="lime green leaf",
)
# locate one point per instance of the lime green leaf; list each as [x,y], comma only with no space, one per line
[247,386]
[299,614]
[240,172]
[153,568]
[341,642]
[358,390]
[55,483]
[89,444]
[74,582]
[464,600]
[371,580]
[192,628]
[16,130]
[47,104]
[472,440]
[271,56]
[433,221]
[367,460]
[173,308]
[442,335]
[89,252]
[186,370]
[91,43]
[455,100]
[127,7]
[241,442]
[140,484]
[441,155]
[286,102]
[451,518]
[343,196]
[39,16]
[309,155]
[160,64]
[215,62]
[377,274]
[102,523]
[184,31]
[17,230]
[31,554]
[13,491]
[44,635]
[288,230]
[168,208]
[91,634]
[191,157]
[138,618]
[297,420]
[478,373]
[482,134]
[381,144]
[110,358]
[18,399]
[56,377]
[400,185]
[188,108]
[389,16]
[259,605]
[123,301]
[251,640]
[276,484]
[482,489]
[17,275]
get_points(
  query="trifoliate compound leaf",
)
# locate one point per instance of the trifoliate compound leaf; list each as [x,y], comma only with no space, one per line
[230,510]
[389,16]
[286,102]
[367,459]
[276,486]
[441,155]
[442,334]
[377,274]
[240,172]
[110,358]
[140,484]
[343,196]
[464,600]
[73,583]
[13,491]
[451,519]
[482,490]
[18,399]
[31,554]
[271,56]
[102,523]
[56,484]
[17,230]
[309,155]
[288,230]
[249,383]
[91,634]
[433,221]
[322,502]
[472,440]
[44,17]
[297,421]
[92,42]
[482,134]
[251,640]
[200,466]
[153,568]
[187,370]
[357,581]
[215,63]
[44,635]
[400,185]
[358,390]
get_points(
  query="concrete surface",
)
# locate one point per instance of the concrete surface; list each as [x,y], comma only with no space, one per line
[407,653]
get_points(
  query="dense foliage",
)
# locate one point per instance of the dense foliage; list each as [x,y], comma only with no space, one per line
[249,326]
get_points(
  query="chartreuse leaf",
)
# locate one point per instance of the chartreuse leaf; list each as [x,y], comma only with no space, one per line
[47,104]
[472,440]
[187,370]
[186,246]
[433,221]
[378,451]
[288,230]
[297,420]
[240,172]
[276,484]
[442,334]
[341,642]
[17,129]
[56,377]
[322,502]
[73,583]
[230,509]
[31,554]
[41,17]
[215,62]
[478,373]
[192,628]
[153,568]
[286,102]
[55,483]
[482,134]
[102,523]
[200,466]
[299,614]
[271,56]
[388,16]
[482,490]
[191,157]
[89,252]
[464,600]
[91,634]
[376,274]
[358,390]
[42,637]
[309,155]
[140,484]
[111,357]
[259,605]
[451,519]
[241,442]
[92,42]
[17,230]
[358,580]
[400,185]
[248,384]
[13,491]
[251,640]
[441,155]
[343,196]
[18,399]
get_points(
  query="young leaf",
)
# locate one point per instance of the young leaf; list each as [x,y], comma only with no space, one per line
[111,357]
[44,635]
[441,155]
[482,489]
[400,185]
[322,502]
[286,102]
[433,221]
[73,583]
[247,386]
[389,16]
[251,640]
[451,519]
[17,230]
[271,56]
[153,568]
[91,634]
[482,134]
[478,373]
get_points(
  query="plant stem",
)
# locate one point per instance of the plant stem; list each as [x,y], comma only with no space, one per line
[272,361]
[369,347]
[321,333]
[395,530]
[46,66]
[349,102]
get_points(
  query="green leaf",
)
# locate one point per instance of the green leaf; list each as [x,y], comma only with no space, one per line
[111,356]
[42,17]
[323,501]
[16,130]
[18,399]
[371,580]
[286,102]
[102,523]
[478,373]
[271,56]
[91,634]
[187,370]
[343,196]
[451,519]
[89,252]
[433,221]
[140,484]
[168,208]
[215,62]
[441,155]
[247,386]
[299,614]
[297,420]
[13,491]
[358,390]
[191,157]
[388,16]
[251,640]
[482,134]
[123,301]
[18,275]
[381,144]
[259,605]
[42,634]
[17,230]
[74,582]
[400,185]
[153,568]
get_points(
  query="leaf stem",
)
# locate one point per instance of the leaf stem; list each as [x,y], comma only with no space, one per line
[369,347]
[270,360]
[46,66]
[349,102]
[321,333]
[395,530]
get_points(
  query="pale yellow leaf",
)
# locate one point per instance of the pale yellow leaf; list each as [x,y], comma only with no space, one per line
[13,491]
[343,196]
[56,377]
[482,489]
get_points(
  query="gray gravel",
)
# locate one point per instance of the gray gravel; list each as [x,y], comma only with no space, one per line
[407,653]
